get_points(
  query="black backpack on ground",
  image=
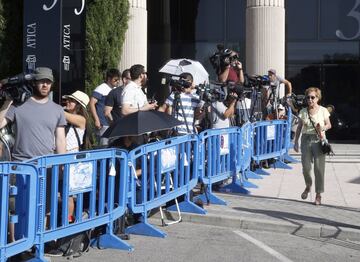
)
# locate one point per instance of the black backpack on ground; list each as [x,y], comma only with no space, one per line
[73,246]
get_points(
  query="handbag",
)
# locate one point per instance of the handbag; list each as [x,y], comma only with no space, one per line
[326,148]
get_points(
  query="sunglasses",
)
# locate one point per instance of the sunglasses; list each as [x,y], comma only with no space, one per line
[310,97]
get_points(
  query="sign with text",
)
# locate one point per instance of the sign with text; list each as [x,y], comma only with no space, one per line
[54,37]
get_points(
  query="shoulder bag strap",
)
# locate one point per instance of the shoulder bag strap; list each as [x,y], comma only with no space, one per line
[77,136]
[313,123]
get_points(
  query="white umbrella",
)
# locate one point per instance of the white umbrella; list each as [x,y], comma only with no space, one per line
[184,65]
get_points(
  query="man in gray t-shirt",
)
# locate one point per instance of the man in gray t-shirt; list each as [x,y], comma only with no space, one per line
[39,121]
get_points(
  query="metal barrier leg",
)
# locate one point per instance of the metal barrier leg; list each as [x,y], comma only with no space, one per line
[145,229]
[188,207]
[281,164]
[237,185]
[39,254]
[262,172]
[235,188]
[109,240]
[243,181]
[209,197]
[290,159]
[252,175]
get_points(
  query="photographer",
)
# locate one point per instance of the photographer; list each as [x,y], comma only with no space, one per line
[276,80]
[271,94]
[231,69]
[39,121]
[184,105]
[223,112]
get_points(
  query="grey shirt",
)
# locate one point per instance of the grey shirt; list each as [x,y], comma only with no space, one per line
[35,128]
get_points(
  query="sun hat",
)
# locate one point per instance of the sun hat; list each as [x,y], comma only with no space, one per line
[79,96]
[43,73]
[272,71]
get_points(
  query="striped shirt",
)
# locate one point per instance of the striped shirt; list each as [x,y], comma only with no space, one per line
[189,103]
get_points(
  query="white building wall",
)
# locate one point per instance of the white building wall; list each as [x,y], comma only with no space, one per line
[265,36]
[135,44]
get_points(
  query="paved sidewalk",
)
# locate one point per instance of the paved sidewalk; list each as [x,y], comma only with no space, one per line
[276,204]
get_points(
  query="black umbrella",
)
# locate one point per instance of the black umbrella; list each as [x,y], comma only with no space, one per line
[140,123]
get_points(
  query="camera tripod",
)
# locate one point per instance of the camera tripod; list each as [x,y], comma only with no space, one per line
[273,100]
[177,105]
[252,113]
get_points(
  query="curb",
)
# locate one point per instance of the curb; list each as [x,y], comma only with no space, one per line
[295,228]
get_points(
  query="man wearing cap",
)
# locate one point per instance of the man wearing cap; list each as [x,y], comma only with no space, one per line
[39,121]
[271,95]
[276,80]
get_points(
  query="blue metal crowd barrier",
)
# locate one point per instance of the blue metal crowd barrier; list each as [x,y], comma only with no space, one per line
[18,183]
[240,181]
[103,183]
[87,177]
[270,141]
[217,162]
[161,172]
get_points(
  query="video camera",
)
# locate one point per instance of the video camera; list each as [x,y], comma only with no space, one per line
[176,83]
[257,81]
[299,101]
[222,58]
[210,93]
[17,87]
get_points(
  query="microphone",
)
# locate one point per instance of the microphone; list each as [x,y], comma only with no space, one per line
[17,79]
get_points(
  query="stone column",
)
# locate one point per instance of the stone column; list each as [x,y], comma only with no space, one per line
[135,44]
[265,36]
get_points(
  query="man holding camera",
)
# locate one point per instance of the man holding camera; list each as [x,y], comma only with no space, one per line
[39,121]
[223,112]
[133,97]
[184,105]
[271,96]
[276,80]
[231,69]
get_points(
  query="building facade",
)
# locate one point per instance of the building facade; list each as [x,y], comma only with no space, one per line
[310,42]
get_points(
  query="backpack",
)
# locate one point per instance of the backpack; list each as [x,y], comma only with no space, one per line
[73,246]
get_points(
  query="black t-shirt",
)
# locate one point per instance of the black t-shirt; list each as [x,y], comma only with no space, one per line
[113,99]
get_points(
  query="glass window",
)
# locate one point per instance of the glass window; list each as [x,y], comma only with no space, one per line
[210,21]
[235,20]
[318,52]
[340,19]
[301,19]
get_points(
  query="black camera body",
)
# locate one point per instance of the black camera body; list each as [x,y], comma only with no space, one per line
[18,87]
[299,101]
[210,93]
[177,84]
[257,81]
[222,58]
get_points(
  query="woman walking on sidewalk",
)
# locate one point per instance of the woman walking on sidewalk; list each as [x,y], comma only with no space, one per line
[313,120]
